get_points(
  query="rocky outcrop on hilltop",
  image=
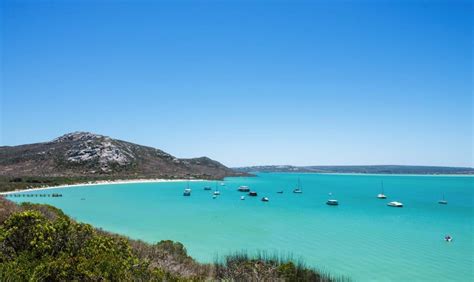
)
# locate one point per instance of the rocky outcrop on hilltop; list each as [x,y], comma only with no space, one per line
[88,154]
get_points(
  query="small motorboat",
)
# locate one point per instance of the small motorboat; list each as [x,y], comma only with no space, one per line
[280,192]
[332,203]
[222,184]
[395,204]
[214,196]
[242,197]
[265,199]
[253,194]
[443,201]
[244,189]
[448,238]
[187,192]
[207,188]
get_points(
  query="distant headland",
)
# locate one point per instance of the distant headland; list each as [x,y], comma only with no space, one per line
[363,169]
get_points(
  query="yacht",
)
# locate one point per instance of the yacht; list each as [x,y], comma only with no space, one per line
[244,189]
[443,201]
[298,189]
[253,194]
[265,199]
[382,195]
[395,204]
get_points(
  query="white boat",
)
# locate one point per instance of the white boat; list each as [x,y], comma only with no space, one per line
[265,199]
[216,192]
[244,189]
[187,192]
[222,184]
[382,195]
[214,196]
[395,204]
[443,201]
[332,203]
[242,197]
[298,189]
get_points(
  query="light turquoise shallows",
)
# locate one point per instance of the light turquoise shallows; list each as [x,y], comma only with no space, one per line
[361,238]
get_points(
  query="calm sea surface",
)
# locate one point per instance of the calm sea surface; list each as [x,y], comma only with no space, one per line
[361,238]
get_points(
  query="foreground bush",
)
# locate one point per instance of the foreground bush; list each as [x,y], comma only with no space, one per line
[41,243]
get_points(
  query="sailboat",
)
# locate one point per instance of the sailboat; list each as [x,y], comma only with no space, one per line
[382,195]
[298,189]
[187,191]
[443,201]
[332,202]
[216,192]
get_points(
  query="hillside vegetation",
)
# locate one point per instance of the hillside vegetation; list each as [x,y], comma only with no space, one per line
[83,156]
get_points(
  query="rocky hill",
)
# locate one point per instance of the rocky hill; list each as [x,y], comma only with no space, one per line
[86,154]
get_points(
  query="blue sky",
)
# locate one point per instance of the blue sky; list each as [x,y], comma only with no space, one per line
[246,82]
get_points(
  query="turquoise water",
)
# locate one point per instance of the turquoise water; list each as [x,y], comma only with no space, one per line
[361,238]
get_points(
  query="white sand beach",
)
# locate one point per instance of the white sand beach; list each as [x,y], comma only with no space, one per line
[100,182]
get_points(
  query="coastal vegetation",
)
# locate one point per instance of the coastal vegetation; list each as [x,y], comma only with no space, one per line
[41,243]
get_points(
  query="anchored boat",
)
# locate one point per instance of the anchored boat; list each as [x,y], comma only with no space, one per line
[298,189]
[244,189]
[443,201]
[187,191]
[332,202]
[382,195]
[395,204]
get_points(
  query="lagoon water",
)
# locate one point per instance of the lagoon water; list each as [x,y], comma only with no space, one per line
[361,238]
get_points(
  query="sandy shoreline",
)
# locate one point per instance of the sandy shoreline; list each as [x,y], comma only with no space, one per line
[100,182]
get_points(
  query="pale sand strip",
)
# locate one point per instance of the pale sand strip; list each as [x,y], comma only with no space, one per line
[101,182]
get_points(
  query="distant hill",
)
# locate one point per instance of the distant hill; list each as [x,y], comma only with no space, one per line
[375,169]
[84,154]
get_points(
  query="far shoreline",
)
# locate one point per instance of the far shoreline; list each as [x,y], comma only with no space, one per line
[368,174]
[101,182]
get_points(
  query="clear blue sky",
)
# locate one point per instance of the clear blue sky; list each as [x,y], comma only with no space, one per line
[246,82]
